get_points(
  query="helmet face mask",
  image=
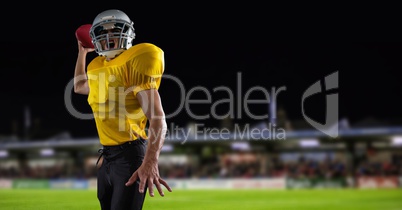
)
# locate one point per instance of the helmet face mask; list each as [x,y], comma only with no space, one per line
[112,32]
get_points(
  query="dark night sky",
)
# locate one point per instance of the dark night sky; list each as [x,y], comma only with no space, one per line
[208,47]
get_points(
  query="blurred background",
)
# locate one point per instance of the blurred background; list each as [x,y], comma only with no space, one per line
[209,47]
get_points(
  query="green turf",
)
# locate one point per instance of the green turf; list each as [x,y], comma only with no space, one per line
[324,199]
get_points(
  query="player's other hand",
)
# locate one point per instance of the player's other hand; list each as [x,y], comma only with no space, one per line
[148,173]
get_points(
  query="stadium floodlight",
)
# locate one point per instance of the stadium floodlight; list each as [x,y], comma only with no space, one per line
[3,153]
[396,141]
[309,143]
[46,152]
[167,148]
[241,146]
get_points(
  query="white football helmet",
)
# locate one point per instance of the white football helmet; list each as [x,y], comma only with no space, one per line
[109,25]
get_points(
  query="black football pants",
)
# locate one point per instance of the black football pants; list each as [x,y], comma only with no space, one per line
[119,163]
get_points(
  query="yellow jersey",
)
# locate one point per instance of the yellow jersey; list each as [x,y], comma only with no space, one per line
[113,86]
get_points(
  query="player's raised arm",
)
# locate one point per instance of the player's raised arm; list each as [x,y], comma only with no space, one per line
[80,78]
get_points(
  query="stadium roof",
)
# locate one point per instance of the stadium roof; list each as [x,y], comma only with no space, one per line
[291,135]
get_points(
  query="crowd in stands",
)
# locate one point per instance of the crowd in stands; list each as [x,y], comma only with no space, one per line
[223,167]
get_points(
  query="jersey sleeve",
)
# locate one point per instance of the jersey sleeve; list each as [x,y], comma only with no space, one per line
[145,71]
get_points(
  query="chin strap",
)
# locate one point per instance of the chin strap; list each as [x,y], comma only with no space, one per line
[112,54]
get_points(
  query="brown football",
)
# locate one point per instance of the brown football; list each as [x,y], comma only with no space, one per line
[82,34]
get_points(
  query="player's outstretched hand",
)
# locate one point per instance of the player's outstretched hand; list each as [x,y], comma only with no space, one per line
[148,173]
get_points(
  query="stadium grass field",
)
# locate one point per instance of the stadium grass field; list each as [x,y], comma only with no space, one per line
[306,199]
